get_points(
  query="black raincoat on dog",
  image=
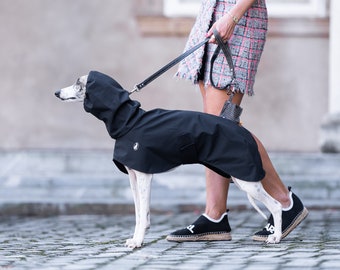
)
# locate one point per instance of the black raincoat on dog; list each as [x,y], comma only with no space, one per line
[158,140]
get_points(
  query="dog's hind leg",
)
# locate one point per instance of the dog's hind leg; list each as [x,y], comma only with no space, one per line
[141,188]
[255,190]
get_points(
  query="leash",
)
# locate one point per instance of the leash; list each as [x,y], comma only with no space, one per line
[227,53]
[221,45]
[148,80]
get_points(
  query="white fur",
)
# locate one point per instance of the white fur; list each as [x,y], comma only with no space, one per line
[141,185]
[256,191]
[75,92]
[141,189]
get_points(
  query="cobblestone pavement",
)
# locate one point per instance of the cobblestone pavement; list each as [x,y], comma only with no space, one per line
[97,242]
[69,192]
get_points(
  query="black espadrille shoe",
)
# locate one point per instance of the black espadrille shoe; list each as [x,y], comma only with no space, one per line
[203,229]
[290,220]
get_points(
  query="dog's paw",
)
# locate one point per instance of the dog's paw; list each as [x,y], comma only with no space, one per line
[132,243]
[273,239]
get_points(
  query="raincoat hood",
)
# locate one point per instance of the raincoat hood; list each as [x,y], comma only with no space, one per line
[108,101]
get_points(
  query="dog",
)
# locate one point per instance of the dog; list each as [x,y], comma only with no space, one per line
[158,140]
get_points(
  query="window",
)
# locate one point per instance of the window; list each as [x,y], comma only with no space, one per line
[276,8]
[184,8]
[297,8]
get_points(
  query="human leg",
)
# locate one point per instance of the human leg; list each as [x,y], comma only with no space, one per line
[213,224]
[272,183]
[216,186]
[213,101]
[293,210]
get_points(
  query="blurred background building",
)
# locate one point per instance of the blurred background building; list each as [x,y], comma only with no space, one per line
[47,44]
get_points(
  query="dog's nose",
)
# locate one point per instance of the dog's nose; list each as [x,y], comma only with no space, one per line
[57,93]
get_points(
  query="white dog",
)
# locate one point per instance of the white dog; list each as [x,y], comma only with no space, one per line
[155,141]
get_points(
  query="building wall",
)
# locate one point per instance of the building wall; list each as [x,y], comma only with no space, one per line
[47,44]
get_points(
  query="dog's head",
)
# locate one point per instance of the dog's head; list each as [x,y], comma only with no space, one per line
[75,92]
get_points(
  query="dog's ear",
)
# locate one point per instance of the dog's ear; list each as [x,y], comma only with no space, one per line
[81,88]
[83,80]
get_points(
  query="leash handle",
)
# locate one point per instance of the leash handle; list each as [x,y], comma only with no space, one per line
[224,46]
[148,80]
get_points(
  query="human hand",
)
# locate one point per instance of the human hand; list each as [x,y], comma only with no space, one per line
[225,27]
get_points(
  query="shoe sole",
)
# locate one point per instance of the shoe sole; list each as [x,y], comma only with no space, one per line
[200,237]
[296,222]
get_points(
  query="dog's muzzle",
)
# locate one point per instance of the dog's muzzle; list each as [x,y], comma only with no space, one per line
[58,95]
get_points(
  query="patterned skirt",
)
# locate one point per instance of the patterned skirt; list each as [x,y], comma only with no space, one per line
[246,44]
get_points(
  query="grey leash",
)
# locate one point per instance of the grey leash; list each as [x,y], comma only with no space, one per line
[230,110]
[148,80]
[227,53]
[221,45]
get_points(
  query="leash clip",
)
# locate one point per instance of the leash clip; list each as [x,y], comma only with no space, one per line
[135,89]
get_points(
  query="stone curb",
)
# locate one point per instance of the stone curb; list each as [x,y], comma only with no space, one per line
[49,182]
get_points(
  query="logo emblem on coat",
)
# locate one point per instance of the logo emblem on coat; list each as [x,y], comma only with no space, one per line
[136,146]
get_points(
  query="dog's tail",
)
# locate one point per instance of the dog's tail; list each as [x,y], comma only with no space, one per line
[253,203]
[252,189]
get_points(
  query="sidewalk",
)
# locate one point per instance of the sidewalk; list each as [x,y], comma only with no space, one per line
[73,210]
[97,242]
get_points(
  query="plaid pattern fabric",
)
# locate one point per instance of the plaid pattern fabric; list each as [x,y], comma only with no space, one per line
[246,45]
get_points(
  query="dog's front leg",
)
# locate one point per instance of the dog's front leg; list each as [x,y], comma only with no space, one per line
[256,191]
[133,184]
[141,186]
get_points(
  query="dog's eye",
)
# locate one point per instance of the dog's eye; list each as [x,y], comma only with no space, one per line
[77,87]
